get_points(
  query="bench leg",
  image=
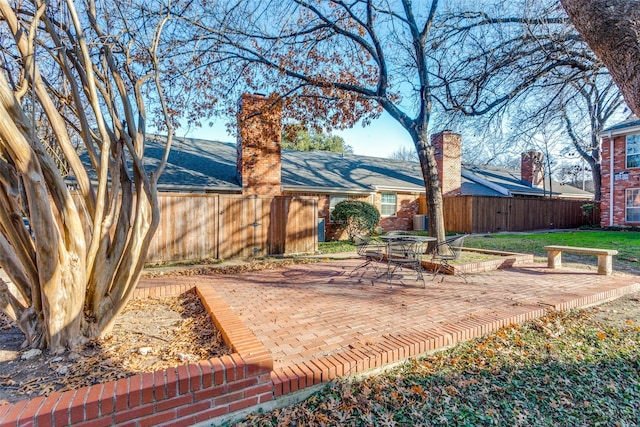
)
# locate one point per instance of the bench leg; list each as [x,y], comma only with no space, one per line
[554,259]
[605,264]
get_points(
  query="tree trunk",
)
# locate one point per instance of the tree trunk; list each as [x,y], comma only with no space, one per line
[429,168]
[611,28]
[68,282]
[596,176]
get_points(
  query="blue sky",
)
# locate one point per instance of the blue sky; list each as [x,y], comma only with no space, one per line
[381,138]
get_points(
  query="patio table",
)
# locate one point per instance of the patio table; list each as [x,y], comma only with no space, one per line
[405,250]
[392,237]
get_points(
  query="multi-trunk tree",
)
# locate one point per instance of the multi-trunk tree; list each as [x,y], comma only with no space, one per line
[75,80]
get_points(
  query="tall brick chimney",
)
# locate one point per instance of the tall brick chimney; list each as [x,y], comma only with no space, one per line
[532,168]
[448,153]
[259,145]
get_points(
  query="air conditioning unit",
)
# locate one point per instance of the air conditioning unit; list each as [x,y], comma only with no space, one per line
[420,222]
[320,229]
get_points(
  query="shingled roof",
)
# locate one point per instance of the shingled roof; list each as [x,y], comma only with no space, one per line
[631,124]
[199,165]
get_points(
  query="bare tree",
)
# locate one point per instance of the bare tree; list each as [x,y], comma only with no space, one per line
[524,68]
[612,29]
[85,69]
[336,62]
[585,114]
[404,153]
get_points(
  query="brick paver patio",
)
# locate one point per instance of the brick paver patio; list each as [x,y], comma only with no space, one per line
[301,325]
[318,323]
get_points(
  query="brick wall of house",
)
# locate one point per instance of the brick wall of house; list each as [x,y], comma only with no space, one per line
[620,185]
[532,168]
[259,145]
[448,154]
[406,207]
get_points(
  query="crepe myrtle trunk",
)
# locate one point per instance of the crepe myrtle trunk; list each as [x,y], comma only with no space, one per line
[429,167]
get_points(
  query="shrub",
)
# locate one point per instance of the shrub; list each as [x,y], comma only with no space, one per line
[356,216]
[589,211]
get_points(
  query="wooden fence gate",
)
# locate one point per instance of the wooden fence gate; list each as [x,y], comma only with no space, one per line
[292,231]
[244,227]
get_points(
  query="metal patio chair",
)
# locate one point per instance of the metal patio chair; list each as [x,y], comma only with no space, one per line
[446,251]
[405,254]
[372,252]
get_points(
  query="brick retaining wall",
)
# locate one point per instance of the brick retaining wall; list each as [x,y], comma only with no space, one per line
[178,396]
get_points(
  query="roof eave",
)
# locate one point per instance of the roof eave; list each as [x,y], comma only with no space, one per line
[200,189]
[491,185]
[325,190]
[553,194]
[620,131]
[400,189]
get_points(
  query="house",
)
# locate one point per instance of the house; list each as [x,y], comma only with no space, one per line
[620,204]
[257,165]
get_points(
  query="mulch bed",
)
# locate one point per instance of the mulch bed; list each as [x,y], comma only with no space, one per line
[151,334]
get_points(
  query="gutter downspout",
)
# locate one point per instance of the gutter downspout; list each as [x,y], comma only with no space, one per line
[611,180]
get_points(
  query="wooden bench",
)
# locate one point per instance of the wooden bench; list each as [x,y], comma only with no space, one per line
[605,256]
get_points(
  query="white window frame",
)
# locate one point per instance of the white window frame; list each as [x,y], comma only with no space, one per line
[632,141]
[632,205]
[384,204]
[333,201]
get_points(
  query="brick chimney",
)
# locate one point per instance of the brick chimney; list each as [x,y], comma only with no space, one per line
[448,152]
[532,168]
[259,145]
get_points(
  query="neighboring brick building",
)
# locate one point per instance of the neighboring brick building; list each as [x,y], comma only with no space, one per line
[620,203]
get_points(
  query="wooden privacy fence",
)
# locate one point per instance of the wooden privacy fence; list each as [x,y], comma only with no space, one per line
[212,226]
[473,214]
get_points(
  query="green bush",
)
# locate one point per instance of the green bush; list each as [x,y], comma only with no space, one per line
[356,216]
[588,210]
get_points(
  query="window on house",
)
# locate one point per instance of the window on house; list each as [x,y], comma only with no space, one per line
[633,151]
[633,205]
[388,204]
[333,201]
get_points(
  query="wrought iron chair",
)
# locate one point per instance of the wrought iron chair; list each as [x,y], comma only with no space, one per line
[446,251]
[405,254]
[372,252]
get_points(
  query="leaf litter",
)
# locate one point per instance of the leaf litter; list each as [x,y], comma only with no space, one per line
[580,367]
[151,334]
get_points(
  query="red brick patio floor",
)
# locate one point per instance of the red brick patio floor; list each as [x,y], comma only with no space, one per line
[318,323]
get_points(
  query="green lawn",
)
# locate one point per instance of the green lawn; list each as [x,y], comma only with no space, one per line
[627,244]
[335,247]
